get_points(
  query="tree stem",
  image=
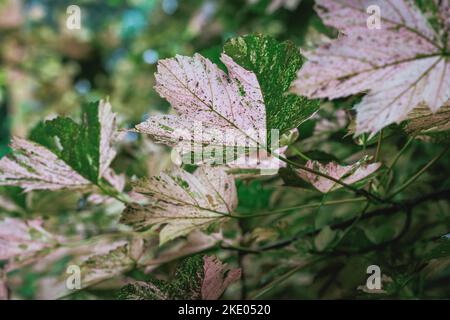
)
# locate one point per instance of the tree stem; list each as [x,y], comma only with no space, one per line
[417,175]
[304,206]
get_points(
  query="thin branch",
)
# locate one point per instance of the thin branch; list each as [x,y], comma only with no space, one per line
[378,151]
[404,206]
[398,155]
[357,191]
[394,162]
[303,206]
[354,223]
[418,174]
[299,153]
[110,191]
[241,258]
[284,277]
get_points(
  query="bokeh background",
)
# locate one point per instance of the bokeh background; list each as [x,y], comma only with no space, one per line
[48,70]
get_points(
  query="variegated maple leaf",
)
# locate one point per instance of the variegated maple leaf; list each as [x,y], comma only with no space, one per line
[347,174]
[62,154]
[196,278]
[181,202]
[197,241]
[23,239]
[226,118]
[217,277]
[116,261]
[400,65]
[216,113]
[99,260]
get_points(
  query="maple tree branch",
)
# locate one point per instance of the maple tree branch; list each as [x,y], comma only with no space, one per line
[285,276]
[417,175]
[110,191]
[303,206]
[398,155]
[385,175]
[405,206]
[384,244]
[299,153]
[379,143]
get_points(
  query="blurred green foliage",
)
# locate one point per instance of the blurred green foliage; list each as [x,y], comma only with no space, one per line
[46,69]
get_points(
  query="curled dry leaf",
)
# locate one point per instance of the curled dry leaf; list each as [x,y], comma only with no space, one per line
[63,154]
[347,174]
[181,202]
[401,65]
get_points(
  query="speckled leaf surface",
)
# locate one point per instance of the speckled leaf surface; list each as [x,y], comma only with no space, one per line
[347,174]
[86,147]
[33,167]
[275,66]
[104,266]
[217,277]
[62,154]
[23,238]
[181,202]
[403,64]
[196,278]
[213,109]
